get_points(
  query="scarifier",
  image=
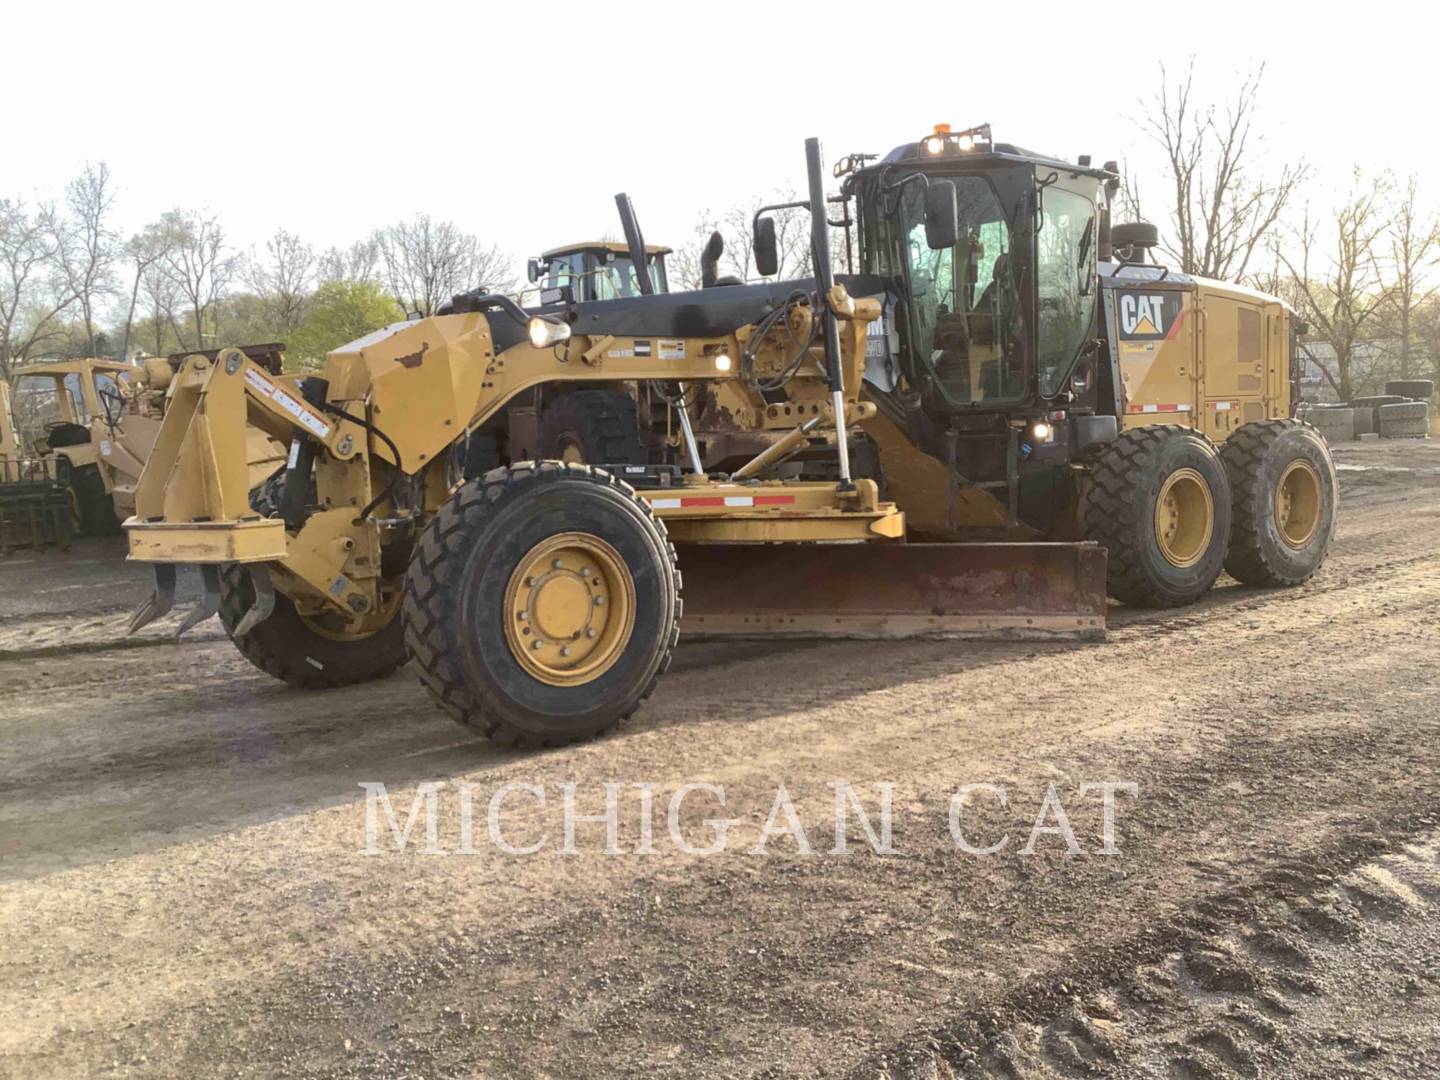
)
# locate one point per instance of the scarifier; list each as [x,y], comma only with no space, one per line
[983,382]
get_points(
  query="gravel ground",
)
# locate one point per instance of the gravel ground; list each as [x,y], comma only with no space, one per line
[184,886]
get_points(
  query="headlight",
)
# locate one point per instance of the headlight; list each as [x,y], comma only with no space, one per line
[722,361]
[1041,431]
[935,144]
[546,332]
[965,143]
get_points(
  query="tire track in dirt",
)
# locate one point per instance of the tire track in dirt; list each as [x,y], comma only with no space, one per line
[1265,727]
[802,745]
[1270,979]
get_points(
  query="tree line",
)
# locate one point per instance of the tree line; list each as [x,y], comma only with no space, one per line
[1360,270]
[72,285]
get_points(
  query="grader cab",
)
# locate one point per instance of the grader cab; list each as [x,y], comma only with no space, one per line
[540,600]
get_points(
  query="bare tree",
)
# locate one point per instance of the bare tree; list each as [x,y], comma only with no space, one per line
[197,260]
[359,262]
[1414,251]
[146,250]
[84,242]
[283,279]
[32,294]
[425,262]
[1345,295]
[163,296]
[736,228]
[1222,210]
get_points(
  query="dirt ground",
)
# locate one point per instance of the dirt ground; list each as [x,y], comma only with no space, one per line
[184,889]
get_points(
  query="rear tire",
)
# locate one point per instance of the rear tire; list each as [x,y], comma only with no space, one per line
[477,561]
[1173,556]
[94,510]
[1283,482]
[289,647]
[592,427]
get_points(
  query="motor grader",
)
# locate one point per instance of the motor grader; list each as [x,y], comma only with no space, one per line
[993,351]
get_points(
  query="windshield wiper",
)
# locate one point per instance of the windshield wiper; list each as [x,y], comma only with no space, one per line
[1085,240]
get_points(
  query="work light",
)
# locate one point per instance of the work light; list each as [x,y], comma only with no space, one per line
[546,332]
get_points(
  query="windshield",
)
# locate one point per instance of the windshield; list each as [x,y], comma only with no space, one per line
[1065,276]
[966,305]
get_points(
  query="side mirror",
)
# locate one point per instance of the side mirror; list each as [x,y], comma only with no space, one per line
[942,215]
[532,269]
[767,252]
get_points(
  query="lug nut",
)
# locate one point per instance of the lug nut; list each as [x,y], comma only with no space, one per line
[556,565]
[565,650]
[590,631]
[599,600]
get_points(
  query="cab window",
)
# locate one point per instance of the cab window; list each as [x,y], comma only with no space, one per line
[1065,282]
[564,270]
[968,323]
[616,279]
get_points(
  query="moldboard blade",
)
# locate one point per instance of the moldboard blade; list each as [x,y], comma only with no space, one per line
[999,590]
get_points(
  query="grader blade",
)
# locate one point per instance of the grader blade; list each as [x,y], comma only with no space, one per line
[158,602]
[999,590]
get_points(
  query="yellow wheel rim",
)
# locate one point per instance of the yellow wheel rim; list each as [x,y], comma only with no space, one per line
[569,609]
[570,451]
[1297,503]
[332,625]
[1184,518]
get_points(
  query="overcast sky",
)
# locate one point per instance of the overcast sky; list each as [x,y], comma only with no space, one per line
[520,122]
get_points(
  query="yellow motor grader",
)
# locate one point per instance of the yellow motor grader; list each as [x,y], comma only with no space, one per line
[992,352]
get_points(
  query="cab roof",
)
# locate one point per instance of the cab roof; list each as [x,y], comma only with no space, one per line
[617,247]
[914,153]
[61,367]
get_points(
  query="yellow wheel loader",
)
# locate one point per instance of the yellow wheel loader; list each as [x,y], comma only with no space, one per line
[990,355]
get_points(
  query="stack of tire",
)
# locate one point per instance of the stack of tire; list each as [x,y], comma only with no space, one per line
[1405,419]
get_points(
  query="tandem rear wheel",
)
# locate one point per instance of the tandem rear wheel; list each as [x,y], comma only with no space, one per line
[1172,510]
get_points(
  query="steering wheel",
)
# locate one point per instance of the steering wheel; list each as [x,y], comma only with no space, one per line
[107,395]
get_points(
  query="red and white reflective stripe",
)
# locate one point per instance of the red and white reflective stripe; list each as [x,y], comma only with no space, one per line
[1221,405]
[1157,408]
[690,502]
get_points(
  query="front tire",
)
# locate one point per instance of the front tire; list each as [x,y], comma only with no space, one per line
[303,651]
[542,603]
[1285,494]
[1159,501]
